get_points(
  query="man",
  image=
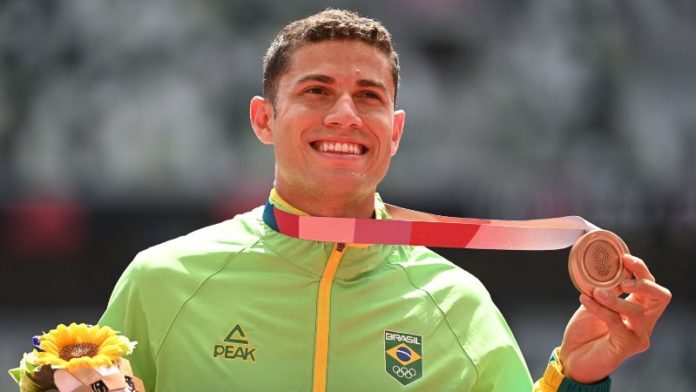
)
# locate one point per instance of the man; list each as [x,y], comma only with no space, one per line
[239,306]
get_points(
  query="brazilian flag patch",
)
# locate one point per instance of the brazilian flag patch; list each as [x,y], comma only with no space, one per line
[403,354]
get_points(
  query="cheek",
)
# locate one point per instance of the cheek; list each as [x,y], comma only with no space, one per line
[384,132]
[297,122]
[292,152]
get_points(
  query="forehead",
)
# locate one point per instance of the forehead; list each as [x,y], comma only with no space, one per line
[343,60]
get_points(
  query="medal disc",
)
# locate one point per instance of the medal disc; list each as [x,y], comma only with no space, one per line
[596,260]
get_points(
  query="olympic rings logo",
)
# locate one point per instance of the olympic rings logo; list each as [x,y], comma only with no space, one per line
[402,372]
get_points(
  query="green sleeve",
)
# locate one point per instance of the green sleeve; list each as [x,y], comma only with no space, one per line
[500,364]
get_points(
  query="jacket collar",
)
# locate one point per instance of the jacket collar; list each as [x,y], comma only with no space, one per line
[276,200]
[311,256]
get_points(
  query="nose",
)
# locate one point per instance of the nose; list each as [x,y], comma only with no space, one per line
[343,114]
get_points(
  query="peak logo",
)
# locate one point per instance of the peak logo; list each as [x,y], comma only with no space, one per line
[403,356]
[236,335]
[235,346]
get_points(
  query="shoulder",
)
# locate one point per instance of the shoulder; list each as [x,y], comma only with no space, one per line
[439,277]
[203,250]
[162,278]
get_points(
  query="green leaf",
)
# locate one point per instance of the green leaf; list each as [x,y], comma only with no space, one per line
[15,374]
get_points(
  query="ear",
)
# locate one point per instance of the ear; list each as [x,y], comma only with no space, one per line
[397,130]
[261,115]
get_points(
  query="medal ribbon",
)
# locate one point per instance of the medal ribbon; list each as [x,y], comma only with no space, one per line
[419,228]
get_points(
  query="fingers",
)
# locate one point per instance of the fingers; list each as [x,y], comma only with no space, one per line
[637,267]
[628,333]
[610,318]
[644,287]
[616,304]
[647,289]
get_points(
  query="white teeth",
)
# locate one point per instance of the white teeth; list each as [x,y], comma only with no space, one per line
[345,148]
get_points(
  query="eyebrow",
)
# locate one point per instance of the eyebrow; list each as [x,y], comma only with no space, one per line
[330,80]
[317,78]
[372,83]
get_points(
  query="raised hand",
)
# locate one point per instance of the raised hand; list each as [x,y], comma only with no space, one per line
[606,330]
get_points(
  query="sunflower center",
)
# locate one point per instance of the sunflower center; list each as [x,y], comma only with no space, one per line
[77,350]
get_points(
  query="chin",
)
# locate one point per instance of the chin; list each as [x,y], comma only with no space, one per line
[348,184]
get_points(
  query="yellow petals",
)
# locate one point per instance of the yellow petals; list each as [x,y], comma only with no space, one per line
[68,347]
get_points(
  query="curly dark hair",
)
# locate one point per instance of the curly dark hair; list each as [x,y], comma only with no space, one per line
[330,24]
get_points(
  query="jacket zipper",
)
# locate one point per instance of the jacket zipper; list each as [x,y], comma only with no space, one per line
[321,339]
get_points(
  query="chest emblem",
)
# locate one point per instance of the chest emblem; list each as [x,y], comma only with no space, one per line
[236,345]
[403,354]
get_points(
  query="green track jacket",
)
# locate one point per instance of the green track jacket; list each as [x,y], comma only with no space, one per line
[239,307]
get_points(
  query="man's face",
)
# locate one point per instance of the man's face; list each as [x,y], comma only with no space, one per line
[333,126]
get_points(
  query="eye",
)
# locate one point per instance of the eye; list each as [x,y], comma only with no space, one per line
[315,90]
[370,95]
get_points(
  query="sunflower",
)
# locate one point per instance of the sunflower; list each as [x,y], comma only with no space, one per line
[79,344]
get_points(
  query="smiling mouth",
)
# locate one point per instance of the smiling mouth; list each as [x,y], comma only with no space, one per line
[339,148]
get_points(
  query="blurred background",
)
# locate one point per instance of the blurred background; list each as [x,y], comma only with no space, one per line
[125,123]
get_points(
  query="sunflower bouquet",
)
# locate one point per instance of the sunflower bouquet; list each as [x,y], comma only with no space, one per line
[78,358]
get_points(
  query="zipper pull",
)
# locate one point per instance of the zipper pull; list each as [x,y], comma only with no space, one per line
[340,246]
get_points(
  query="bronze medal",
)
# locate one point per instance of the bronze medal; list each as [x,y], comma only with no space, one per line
[596,260]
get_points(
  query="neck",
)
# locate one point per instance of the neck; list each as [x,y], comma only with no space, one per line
[329,205]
